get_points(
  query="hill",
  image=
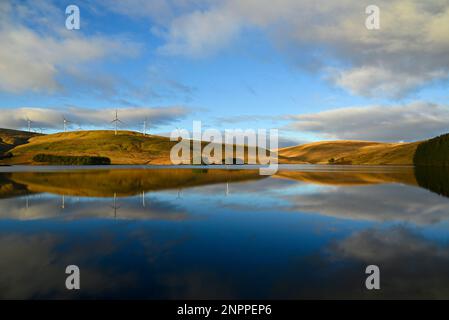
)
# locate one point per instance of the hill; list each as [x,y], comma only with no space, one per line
[12,138]
[124,148]
[433,152]
[350,152]
[127,147]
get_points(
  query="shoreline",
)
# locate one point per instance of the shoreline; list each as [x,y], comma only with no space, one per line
[299,167]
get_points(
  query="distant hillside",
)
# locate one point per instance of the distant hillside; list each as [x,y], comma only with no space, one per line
[433,152]
[134,148]
[351,152]
[126,147]
[12,138]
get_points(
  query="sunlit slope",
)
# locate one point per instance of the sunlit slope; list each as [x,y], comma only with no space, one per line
[124,148]
[350,152]
[134,148]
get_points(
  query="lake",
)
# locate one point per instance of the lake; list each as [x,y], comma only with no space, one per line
[214,233]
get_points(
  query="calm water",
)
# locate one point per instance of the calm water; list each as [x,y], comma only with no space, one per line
[307,232]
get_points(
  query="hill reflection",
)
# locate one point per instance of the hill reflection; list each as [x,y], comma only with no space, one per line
[435,179]
[130,182]
[123,183]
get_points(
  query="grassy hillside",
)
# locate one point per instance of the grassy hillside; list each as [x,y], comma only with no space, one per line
[126,147]
[133,148]
[350,152]
[12,138]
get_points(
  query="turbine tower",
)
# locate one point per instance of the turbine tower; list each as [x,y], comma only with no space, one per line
[145,122]
[29,124]
[66,122]
[116,121]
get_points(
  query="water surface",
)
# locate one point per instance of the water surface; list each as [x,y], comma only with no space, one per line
[197,233]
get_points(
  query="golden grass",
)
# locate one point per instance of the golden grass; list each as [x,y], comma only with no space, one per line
[134,148]
[126,147]
[351,152]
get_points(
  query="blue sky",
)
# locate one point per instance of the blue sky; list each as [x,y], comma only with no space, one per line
[310,69]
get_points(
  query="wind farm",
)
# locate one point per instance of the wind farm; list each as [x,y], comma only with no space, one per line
[139,148]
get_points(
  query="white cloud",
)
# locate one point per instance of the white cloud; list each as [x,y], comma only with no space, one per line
[410,122]
[373,81]
[16,118]
[192,34]
[410,50]
[36,61]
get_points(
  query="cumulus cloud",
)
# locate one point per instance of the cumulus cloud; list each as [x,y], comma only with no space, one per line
[52,118]
[373,81]
[35,59]
[410,50]
[192,34]
[414,121]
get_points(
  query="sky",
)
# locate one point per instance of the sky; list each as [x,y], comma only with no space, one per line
[309,68]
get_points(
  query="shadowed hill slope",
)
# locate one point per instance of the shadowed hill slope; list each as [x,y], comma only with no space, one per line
[12,138]
[433,152]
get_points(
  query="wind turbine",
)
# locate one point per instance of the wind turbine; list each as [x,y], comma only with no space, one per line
[29,124]
[145,122]
[66,122]
[116,121]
